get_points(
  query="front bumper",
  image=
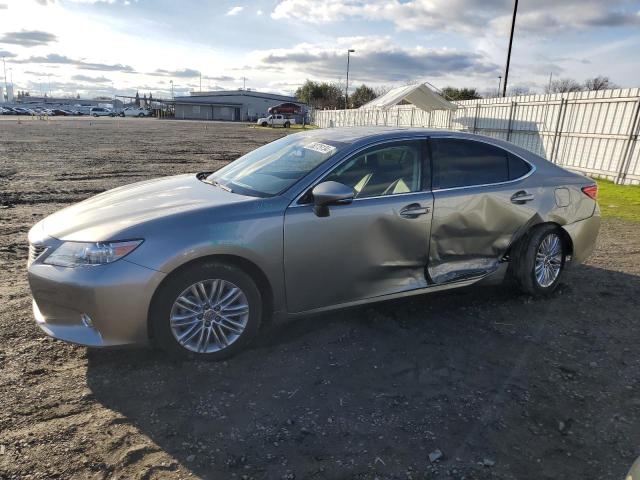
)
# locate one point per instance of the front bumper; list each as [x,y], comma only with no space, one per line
[96,306]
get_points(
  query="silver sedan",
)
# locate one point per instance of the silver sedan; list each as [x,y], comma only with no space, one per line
[312,222]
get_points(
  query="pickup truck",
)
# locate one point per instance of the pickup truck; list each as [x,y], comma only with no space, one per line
[135,112]
[276,120]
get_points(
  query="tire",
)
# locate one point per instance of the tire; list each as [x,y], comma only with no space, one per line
[528,260]
[141,115]
[264,124]
[207,325]
[287,124]
[95,115]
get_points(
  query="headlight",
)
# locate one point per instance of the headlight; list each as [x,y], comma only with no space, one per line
[73,254]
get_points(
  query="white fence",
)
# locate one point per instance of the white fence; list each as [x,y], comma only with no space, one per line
[592,132]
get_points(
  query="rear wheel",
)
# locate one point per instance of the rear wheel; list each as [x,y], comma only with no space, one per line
[538,260]
[209,311]
[263,124]
[287,124]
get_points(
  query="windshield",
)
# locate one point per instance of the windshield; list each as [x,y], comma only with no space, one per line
[271,169]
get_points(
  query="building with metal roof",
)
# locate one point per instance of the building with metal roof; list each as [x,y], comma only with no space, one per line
[229,105]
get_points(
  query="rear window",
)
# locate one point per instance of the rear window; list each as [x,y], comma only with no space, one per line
[517,167]
[466,163]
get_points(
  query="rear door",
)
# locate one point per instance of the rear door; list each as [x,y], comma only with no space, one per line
[482,200]
[376,245]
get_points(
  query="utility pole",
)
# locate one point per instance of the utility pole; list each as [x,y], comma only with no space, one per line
[5,78]
[346,90]
[244,83]
[200,81]
[171,82]
[499,83]
[506,71]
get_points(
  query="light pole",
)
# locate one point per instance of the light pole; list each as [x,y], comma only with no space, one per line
[499,83]
[506,71]
[171,82]
[346,90]
[5,79]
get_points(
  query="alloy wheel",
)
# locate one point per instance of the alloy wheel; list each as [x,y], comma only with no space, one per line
[548,260]
[209,315]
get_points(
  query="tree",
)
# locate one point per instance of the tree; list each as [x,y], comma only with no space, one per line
[599,83]
[563,85]
[361,95]
[321,94]
[150,98]
[519,90]
[452,93]
[137,99]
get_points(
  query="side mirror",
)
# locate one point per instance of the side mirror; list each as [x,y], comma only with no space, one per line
[330,193]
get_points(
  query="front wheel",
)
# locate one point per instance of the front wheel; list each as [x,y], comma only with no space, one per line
[209,311]
[263,124]
[539,260]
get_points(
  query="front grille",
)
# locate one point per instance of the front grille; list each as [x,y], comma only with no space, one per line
[35,251]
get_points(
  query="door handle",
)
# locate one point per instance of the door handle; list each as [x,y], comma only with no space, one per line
[413,210]
[522,197]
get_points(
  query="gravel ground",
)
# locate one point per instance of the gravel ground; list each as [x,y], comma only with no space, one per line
[477,383]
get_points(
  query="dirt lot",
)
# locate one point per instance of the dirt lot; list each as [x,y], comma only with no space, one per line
[503,385]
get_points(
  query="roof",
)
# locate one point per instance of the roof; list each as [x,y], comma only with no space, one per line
[243,93]
[419,95]
[189,101]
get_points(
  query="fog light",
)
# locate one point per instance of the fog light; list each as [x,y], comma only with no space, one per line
[86,320]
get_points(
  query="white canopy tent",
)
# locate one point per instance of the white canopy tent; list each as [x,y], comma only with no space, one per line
[419,95]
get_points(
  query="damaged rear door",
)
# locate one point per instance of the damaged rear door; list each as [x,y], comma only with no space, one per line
[376,245]
[482,201]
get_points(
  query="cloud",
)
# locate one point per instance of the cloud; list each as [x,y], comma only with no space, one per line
[5,53]
[466,16]
[3,6]
[87,78]
[38,74]
[183,73]
[219,78]
[377,60]
[55,59]
[235,10]
[28,38]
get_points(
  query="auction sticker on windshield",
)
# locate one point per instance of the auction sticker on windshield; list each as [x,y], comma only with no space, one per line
[320,147]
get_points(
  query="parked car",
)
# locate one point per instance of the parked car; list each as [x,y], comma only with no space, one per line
[136,112]
[6,111]
[312,222]
[23,111]
[285,108]
[61,112]
[276,120]
[101,112]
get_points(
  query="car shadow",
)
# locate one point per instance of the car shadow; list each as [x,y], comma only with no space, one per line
[501,384]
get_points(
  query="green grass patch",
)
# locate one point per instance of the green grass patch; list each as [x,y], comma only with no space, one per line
[619,201]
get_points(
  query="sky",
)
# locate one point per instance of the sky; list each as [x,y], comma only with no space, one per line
[109,47]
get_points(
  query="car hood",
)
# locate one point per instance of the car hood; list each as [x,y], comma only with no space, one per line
[102,217]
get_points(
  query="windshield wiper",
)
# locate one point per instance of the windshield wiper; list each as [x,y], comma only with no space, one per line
[218,184]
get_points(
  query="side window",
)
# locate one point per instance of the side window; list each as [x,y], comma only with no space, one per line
[463,163]
[517,167]
[389,169]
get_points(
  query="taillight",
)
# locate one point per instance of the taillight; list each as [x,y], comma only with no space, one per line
[591,191]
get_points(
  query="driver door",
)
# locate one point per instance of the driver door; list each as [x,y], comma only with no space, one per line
[375,245]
